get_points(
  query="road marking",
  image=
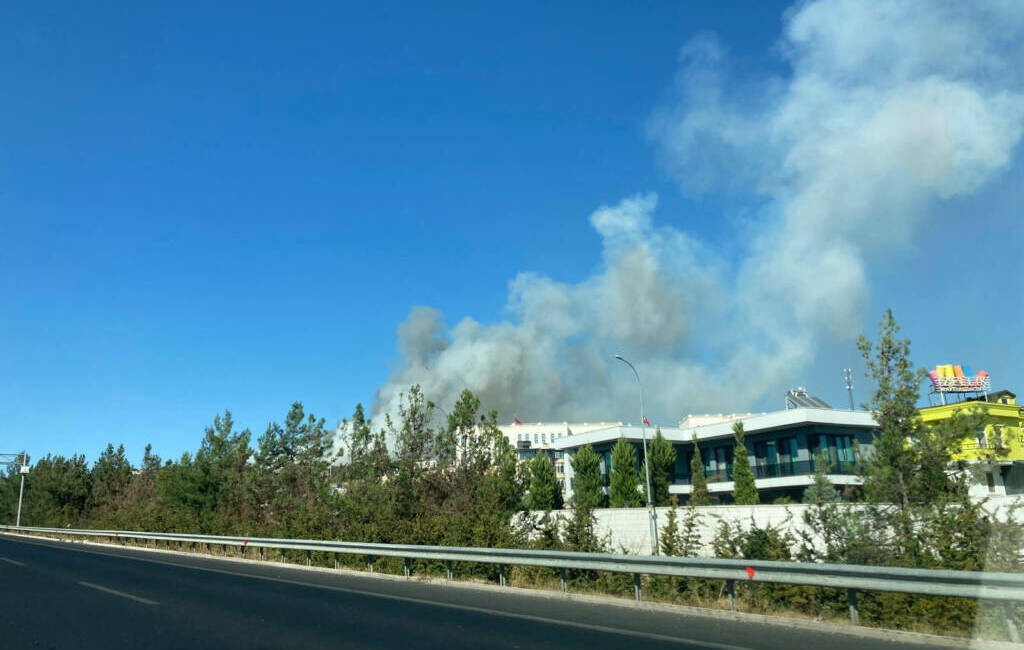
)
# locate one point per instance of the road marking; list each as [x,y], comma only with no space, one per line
[14,562]
[119,593]
[409,599]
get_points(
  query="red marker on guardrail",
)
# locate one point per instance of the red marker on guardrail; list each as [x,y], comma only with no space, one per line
[750,572]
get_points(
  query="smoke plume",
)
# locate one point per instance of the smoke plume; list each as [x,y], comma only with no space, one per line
[887,109]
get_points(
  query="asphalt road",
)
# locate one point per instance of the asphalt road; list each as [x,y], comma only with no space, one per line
[59,595]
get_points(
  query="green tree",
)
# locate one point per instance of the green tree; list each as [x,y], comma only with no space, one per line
[821,491]
[682,539]
[744,490]
[622,489]
[111,474]
[588,484]
[663,460]
[543,492]
[699,483]
[910,463]
[359,436]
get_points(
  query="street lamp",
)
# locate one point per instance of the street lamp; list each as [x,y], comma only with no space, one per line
[647,466]
[22,470]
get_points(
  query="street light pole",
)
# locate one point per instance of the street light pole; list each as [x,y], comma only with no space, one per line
[647,466]
[21,490]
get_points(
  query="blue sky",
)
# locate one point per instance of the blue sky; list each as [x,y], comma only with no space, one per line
[234,206]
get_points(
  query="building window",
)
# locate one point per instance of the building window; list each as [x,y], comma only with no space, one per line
[979,435]
[536,437]
[998,435]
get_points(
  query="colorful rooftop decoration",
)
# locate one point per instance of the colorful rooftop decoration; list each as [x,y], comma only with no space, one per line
[956,378]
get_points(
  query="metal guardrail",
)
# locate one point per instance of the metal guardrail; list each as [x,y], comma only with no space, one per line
[854,578]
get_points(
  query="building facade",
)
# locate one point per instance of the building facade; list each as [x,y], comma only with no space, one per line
[781,446]
[531,438]
[996,450]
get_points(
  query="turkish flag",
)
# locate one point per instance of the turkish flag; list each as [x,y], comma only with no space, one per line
[646,421]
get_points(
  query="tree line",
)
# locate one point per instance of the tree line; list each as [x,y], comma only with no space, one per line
[456,481]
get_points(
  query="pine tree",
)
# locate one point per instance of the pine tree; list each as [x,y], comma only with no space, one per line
[910,462]
[543,494]
[622,490]
[698,482]
[821,491]
[587,488]
[744,491]
[663,459]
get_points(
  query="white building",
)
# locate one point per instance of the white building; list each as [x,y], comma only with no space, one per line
[530,437]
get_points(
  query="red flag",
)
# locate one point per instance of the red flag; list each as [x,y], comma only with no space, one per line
[515,420]
[646,421]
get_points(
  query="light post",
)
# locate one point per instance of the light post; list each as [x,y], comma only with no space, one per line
[647,466]
[22,470]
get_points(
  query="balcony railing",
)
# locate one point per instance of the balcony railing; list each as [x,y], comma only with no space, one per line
[774,470]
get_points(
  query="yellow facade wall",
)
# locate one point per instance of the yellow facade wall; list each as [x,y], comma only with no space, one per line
[1003,422]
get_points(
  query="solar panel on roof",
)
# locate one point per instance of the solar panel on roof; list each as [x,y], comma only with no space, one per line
[800,399]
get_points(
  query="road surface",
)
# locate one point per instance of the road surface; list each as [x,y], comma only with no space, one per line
[59,595]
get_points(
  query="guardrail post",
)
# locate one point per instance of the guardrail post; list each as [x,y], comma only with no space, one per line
[501,575]
[369,563]
[730,588]
[408,571]
[261,554]
[565,583]
[282,555]
[851,600]
[448,564]
[309,558]
[636,587]
[336,563]
[224,550]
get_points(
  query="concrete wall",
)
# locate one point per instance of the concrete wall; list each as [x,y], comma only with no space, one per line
[628,529]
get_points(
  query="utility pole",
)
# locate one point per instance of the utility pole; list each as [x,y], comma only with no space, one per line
[21,462]
[847,374]
[647,466]
[23,470]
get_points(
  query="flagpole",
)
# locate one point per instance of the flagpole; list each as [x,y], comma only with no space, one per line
[647,466]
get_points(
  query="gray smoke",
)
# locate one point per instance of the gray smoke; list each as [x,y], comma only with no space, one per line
[890,107]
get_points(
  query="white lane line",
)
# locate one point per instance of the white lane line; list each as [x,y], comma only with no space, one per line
[467,608]
[119,593]
[14,562]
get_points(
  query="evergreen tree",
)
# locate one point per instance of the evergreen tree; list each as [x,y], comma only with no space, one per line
[744,491]
[698,482]
[663,460]
[622,489]
[910,464]
[821,491]
[543,493]
[111,474]
[681,539]
[588,488]
[360,438]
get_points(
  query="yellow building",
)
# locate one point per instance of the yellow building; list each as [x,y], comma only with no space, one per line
[998,442]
